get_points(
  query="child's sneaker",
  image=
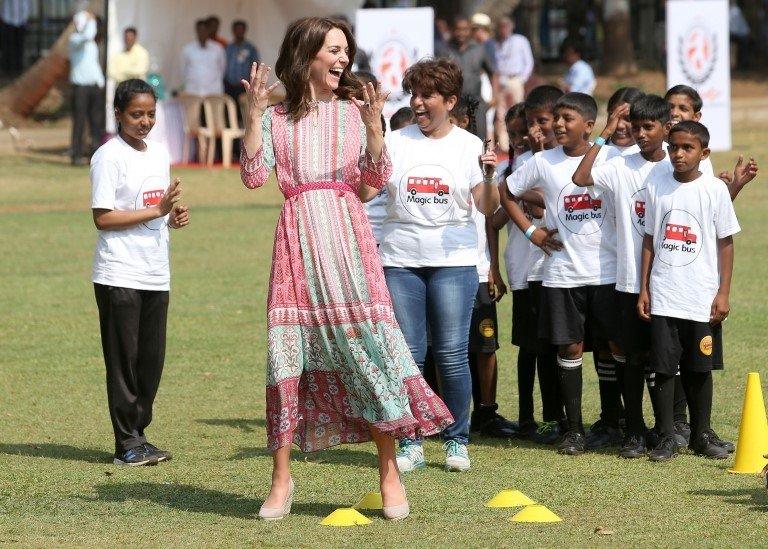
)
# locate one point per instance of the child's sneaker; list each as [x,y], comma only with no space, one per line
[456,456]
[161,455]
[652,438]
[135,457]
[602,435]
[490,423]
[666,450]
[728,445]
[633,447]
[682,433]
[410,456]
[526,430]
[547,433]
[705,445]
[573,444]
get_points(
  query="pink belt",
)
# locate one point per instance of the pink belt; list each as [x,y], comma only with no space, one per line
[318,185]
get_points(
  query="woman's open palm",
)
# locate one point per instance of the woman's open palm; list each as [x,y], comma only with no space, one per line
[257,90]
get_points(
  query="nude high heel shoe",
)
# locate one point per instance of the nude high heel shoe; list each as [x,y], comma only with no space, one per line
[397,512]
[276,513]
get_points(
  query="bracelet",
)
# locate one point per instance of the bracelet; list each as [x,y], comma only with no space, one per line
[529,231]
[488,179]
[600,140]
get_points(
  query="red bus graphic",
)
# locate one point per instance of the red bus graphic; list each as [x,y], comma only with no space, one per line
[680,232]
[640,208]
[152,198]
[581,202]
[431,185]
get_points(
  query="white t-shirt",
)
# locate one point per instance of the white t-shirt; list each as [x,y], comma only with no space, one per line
[123,178]
[625,179]
[376,209]
[203,67]
[429,219]
[686,220]
[585,225]
[612,151]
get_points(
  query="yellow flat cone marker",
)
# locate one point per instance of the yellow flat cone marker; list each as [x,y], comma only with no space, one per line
[510,498]
[371,500]
[346,516]
[753,430]
[535,513]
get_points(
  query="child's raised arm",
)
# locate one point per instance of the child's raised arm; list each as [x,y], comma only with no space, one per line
[721,305]
[583,174]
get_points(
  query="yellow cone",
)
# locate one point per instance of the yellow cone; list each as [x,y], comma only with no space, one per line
[346,516]
[535,513]
[371,500]
[753,431]
[510,498]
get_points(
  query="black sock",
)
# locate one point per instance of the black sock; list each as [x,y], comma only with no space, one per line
[476,400]
[634,386]
[610,394]
[526,377]
[551,405]
[570,389]
[680,401]
[621,364]
[650,381]
[698,389]
[664,388]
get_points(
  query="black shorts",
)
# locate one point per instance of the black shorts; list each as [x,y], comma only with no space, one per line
[634,332]
[482,331]
[568,311]
[694,346]
[526,307]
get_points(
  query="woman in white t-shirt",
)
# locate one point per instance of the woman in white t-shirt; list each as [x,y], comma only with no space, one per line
[133,205]
[429,243]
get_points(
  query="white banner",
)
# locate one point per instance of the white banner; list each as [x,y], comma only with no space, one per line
[698,54]
[394,39]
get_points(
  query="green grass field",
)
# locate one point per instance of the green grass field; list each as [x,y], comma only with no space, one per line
[57,484]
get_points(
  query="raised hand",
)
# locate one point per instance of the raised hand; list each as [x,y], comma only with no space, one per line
[179,217]
[171,196]
[744,173]
[257,90]
[536,139]
[488,160]
[371,106]
[613,121]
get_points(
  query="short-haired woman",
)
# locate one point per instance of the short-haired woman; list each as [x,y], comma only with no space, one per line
[429,242]
[339,370]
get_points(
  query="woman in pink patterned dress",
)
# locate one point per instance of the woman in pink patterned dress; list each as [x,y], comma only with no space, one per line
[339,369]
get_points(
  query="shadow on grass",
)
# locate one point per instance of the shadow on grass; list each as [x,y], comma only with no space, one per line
[195,499]
[57,451]
[244,424]
[756,498]
[337,456]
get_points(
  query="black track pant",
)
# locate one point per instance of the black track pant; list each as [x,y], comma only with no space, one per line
[133,339]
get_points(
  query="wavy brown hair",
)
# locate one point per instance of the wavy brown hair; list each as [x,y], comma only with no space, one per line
[302,41]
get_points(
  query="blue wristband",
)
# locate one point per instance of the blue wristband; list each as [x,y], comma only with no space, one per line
[529,231]
[600,140]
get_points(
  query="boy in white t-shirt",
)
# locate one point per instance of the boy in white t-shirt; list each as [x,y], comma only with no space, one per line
[133,206]
[685,285]
[581,269]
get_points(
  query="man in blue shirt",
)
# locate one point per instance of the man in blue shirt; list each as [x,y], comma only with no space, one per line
[241,54]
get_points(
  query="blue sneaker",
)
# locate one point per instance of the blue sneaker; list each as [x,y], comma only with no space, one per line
[410,456]
[456,456]
[135,457]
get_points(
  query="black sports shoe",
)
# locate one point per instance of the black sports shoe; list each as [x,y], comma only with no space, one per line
[704,445]
[728,445]
[135,457]
[682,433]
[666,450]
[602,435]
[490,423]
[526,430]
[652,438]
[547,433]
[572,444]
[633,447]
[153,450]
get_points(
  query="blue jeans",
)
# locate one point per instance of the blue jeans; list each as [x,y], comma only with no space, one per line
[442,297]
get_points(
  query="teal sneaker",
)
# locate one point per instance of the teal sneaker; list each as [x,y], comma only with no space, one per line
[456,456]
[410,456]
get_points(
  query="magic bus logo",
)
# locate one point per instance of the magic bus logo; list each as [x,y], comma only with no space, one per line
[680,241]
[425,191]
[580,212]
[697,53]
[151,193]
[637,211]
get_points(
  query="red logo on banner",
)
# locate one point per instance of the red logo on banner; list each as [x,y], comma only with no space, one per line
[697,54]
[389,63]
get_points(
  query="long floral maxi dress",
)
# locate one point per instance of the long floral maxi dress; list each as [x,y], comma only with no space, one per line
[337,361]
